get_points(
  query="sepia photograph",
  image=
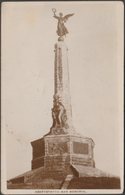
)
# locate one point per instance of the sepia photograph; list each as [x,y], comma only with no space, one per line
[62,97]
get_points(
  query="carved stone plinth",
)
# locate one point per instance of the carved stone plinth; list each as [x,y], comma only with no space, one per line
[59,151]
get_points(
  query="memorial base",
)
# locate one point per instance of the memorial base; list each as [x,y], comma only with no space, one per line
[59,151]
[72,177]
[63,162]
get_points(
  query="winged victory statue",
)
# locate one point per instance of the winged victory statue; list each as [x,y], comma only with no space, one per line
[61,29]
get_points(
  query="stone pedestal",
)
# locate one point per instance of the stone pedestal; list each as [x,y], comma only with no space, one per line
[57,152]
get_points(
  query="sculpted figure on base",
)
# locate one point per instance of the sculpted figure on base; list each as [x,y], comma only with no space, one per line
[59,117]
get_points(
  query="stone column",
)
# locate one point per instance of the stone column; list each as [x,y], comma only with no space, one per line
[61,112]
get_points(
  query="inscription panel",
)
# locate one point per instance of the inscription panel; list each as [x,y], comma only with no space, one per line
[80,148]
[57,148]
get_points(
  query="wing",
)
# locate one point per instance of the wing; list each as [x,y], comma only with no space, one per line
[65,18]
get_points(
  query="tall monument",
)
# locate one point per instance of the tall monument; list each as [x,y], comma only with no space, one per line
[62,155]
[62,147]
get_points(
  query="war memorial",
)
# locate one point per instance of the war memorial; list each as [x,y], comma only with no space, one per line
[63,159]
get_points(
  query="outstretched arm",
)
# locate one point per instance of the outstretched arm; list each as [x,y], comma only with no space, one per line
[55,16]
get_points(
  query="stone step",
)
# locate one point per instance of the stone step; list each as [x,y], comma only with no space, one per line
[67,181]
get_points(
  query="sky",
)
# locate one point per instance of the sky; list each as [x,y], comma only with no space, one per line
[95,54]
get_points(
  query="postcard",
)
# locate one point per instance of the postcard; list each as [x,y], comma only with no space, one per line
[62,97]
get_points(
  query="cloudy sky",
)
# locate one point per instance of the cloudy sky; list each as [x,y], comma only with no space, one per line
[95,43]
